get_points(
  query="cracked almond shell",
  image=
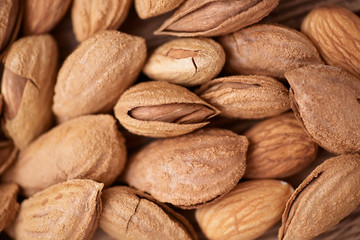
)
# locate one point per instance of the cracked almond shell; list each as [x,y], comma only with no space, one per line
[326,100]
[93,77]
[279,147]
[267,49]
[8,204]
[246,212]
[28,86]
[131,214]
[190,170]
[186,61]
[90,17]
[157,94]
[66,211]
[327,195]
[335,31]
[246,97]
[209,18]
[88,147]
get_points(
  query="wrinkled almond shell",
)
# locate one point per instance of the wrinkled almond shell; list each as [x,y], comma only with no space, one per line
[8,204]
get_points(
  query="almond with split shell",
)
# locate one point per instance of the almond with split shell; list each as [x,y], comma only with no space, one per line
[186,61]
[90,17]
[326,100]
[246,97]
[279,147]
[336,33]
[269,50]
[68,210]
[8,204]
[28,86]
[41,16]
[94,76]
[190,170]
[215,17]
[161,109]
[246,212]
[89,147]
[327,195]
[131,214]
[151,8]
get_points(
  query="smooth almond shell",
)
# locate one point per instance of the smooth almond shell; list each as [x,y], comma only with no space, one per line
[335,31]
[88,147]
[94,76]
[279,147]
[330,116]
[189,170]
[8,153]
[131,214]
[41,16]
[28,87]
[269,50]
[66,211]
[90,17]
[327,195]
[8,204]
[246,97]
[186,61]
[211,18]
[246,212]
[156,94]
[151,8]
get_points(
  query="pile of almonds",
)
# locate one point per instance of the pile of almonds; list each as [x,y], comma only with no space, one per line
[180,119]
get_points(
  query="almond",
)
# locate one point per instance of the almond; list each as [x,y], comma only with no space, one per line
[8,204]
[151,8]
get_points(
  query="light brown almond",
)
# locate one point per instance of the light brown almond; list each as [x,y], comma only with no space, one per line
[279,147]
[66,211]
[161,109]
[267,49]
[327,195]
[186,61]
[190,170]
[336,33]
[246,97]
[88,147]
[90,17]
[11,12]
[94,76]
[215,17]
[8,153]
[41,16]
[151,8]
[28,86]
[246,212]
[8,204]
[131,214]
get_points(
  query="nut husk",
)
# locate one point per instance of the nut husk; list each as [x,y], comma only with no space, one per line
[190,170]
[208,18]
[161,109]
[267,49]
[8,204]
[327,195]
[330,116]
[335,31]
[246,97]
[94,76]
[186,61]
[131,214]
[151,8]
[66,211]
[246,212]
[41,16]
[89,147]
[279,147]
[27,87]
[90,17]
